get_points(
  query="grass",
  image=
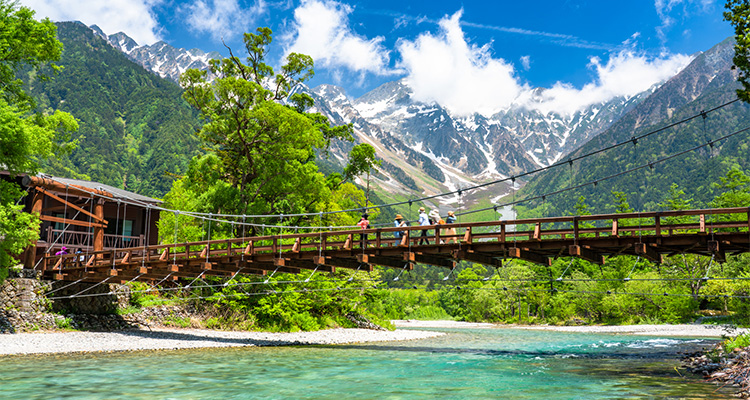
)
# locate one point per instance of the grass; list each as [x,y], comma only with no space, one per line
[739,341]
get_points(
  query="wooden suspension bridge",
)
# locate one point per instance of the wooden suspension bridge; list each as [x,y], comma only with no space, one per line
[651,235]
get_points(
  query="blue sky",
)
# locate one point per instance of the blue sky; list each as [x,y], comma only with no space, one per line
[468,56]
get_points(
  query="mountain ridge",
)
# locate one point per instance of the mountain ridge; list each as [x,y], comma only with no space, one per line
[708,82]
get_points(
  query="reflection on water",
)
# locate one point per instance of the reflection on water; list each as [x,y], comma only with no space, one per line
[481,363]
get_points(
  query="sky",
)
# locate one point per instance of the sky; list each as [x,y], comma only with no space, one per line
[468,56]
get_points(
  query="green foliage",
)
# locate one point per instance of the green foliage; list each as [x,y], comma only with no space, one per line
[581,208]
[143,295]
[735,189]
[25,137]
[738,14]
[739,341]
[675,199]
[362,159]
[261,153]
[620,203]
[285,302]
[64,323]
[406,304]
[136,132]
[24,42]
[17,228]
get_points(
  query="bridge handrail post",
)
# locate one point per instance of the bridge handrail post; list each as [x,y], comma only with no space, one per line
[575,229]
[615,227]
[657,223]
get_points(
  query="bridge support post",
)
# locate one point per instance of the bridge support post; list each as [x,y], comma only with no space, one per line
[586,254]
[648,252]
[99,230]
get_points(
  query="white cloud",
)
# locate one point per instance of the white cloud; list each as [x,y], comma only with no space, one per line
[625,74]
[221,18]
[322,31]
[133,17]
[463,78]
[526,62]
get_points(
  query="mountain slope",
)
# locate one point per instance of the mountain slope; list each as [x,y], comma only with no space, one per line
[706,83]
[135,129]
[439,152]
[161,58]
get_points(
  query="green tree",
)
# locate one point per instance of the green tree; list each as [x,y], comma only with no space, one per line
[23,42]
[262,151]
[738,14]
[676,200]
[581,207]
[735,189]
[621,204]
[25,136]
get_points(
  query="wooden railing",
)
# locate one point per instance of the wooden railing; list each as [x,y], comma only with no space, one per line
[77,239]
[568,230]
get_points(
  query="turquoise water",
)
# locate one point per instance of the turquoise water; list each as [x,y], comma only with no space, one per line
[465,364]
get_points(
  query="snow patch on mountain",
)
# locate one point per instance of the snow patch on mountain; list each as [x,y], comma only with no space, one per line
[161,58]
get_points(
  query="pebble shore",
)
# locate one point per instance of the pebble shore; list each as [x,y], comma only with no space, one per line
[722,368]
[165,339]
[173,338]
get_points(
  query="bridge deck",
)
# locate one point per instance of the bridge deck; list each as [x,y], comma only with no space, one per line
[651,235]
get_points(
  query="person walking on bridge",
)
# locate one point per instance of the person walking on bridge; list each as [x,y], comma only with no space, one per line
[451,232]
[363,223]
[398,223]
[424,220]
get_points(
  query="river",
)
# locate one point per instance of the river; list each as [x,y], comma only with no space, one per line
[464,364]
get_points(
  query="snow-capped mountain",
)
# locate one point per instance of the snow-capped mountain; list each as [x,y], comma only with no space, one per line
[445,151]
[425,148]
[161,58]
[503,144]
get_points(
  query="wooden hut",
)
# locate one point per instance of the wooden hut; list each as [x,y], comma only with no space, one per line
[86,216]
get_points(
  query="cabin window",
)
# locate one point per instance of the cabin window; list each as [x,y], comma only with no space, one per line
[58,226]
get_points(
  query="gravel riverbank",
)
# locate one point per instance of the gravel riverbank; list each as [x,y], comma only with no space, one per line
[170,338]
[163,339]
